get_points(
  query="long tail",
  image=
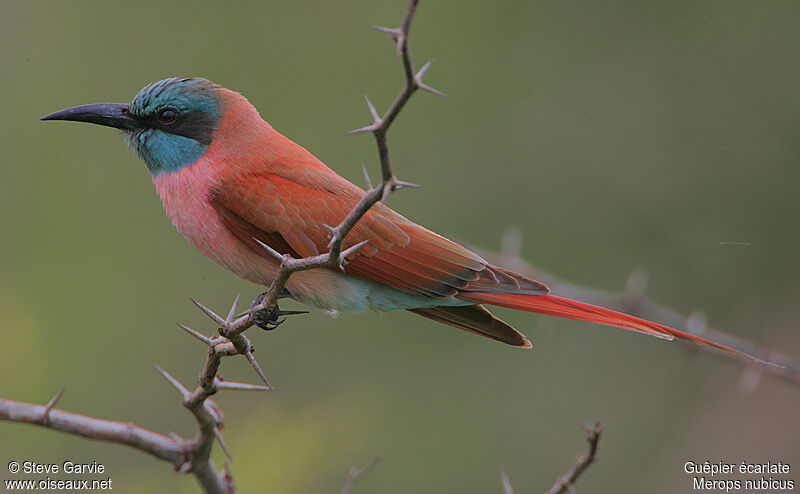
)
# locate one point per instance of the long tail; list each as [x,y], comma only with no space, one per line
[571,309]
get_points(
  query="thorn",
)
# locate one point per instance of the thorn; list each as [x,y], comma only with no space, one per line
[333,241]
[237,386]
[393,32]
[566,484]
[218,434]
[333,233]
[594,431]
[249,356]
[427,88]
[399,184]
[277,255]
[351,250]
[54,400]
[367,128]
[422,70]
[393,185]
[421,85]
[174,382]
[185,468]
[372,111]
[210,313]
[292,312]
[215,411]
[386,191]
[354,475]
[250,311]
[367,182]
[507,488]
[201,337]
[51,404]
[397,35]
[232,312]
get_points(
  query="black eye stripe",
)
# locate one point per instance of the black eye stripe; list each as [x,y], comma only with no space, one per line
[193,124]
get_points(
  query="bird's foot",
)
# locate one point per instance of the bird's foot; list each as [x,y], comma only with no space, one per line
[270,319]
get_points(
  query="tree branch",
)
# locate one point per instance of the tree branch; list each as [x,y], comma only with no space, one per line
[634,301]
[566,482]
[354,475]
[336,257]
[158,445]
[194,455]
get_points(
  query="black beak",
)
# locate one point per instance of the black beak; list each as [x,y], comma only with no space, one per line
[109,114]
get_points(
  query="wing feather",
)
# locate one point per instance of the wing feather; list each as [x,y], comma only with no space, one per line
[287,209]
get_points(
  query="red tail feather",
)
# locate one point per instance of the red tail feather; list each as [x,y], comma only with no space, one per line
[571,309]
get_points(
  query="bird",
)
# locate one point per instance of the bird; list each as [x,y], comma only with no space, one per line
[231,183]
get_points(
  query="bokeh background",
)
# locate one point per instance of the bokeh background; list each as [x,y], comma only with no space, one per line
[613,135]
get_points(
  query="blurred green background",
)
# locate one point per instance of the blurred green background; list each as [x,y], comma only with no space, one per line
[614,135]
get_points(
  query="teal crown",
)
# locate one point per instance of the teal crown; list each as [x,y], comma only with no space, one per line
[187,94]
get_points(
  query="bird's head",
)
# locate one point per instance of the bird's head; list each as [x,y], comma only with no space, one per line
[169,124]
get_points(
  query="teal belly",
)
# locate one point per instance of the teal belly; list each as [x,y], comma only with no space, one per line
[358,295]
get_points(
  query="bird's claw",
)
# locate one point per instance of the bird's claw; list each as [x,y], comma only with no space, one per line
[266,323]
[269,320]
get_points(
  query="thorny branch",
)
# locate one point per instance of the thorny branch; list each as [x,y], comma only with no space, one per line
[566,482]
[187,455]
[194,455]
[354,475]
[335,257]
[634,301]
[158,445]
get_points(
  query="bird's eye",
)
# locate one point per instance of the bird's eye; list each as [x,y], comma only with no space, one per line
[167,116]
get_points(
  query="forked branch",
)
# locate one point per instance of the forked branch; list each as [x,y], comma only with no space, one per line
[336,257]
[566,482]
[194,455]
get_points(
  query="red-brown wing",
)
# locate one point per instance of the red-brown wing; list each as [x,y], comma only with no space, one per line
[287,212]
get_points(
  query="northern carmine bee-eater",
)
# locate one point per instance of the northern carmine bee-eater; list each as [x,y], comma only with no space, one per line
[228,181]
